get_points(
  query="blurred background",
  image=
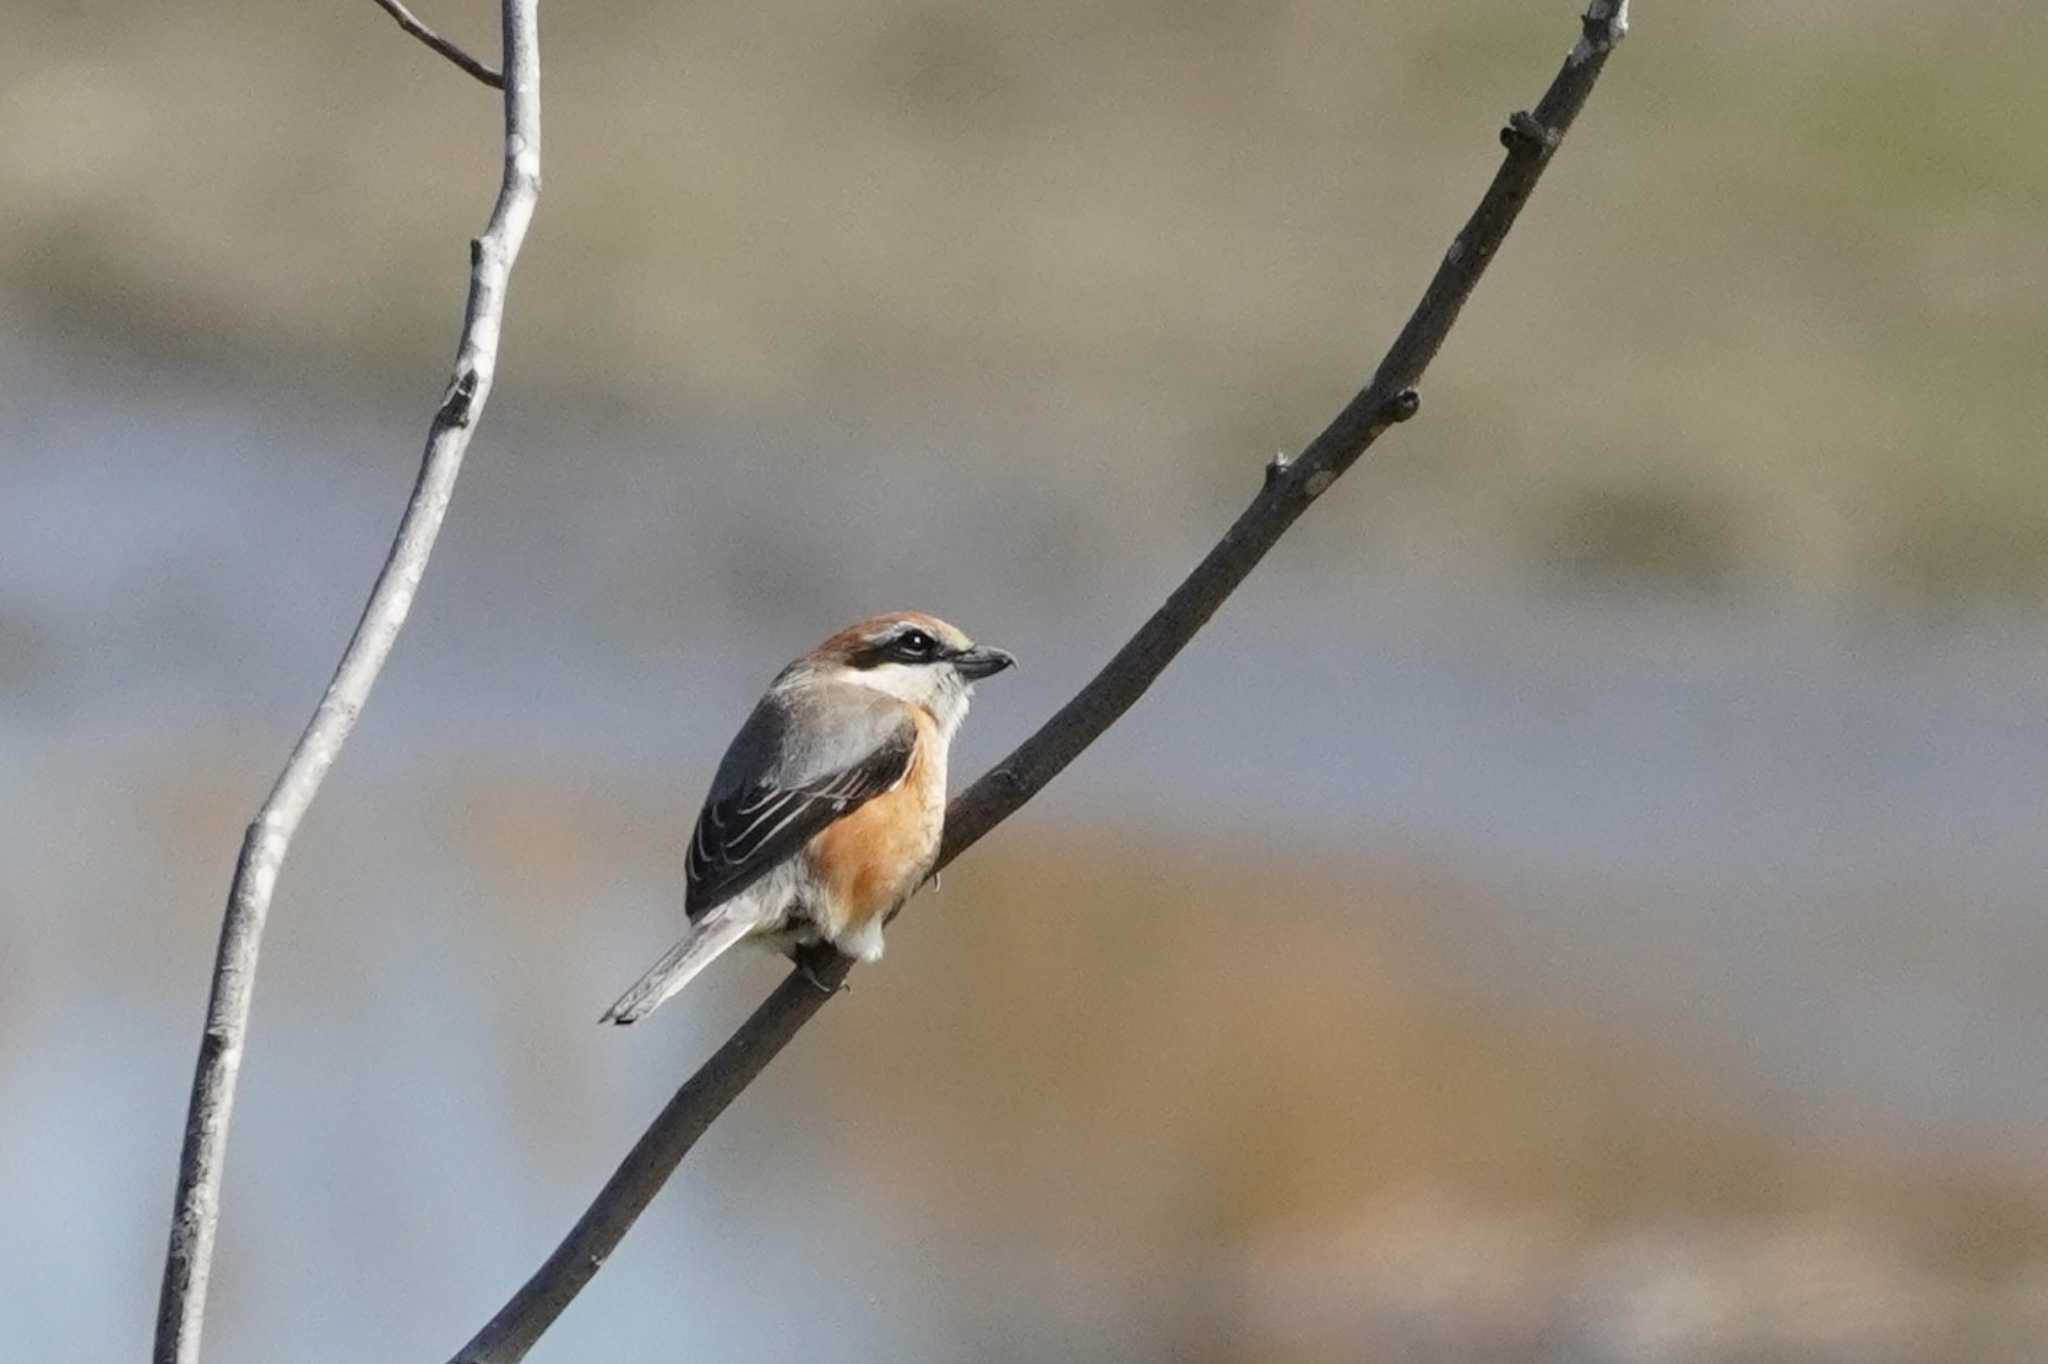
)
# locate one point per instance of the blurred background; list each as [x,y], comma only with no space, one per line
[1582,900]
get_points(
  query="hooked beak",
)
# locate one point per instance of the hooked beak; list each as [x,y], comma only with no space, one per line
[981,661]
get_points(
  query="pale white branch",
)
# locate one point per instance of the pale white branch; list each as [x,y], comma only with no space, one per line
[181,1309]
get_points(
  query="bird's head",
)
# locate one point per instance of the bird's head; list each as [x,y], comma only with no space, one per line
[913,657]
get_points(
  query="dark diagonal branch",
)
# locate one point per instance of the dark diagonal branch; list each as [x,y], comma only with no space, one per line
[1531,139]
[1290,486]
[446,47]
[533,1309]
[182,1308]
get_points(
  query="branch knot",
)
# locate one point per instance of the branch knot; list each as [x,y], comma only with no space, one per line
[1525,133]
[456,407]
[1605,23]
[1601,28]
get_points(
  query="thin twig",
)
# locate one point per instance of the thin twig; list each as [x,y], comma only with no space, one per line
[182,1307]
[1290,486]
[446,47]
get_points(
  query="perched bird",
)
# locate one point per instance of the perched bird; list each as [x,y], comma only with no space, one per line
[826,811]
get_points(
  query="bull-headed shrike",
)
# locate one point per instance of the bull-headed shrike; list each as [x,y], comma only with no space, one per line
[826,811]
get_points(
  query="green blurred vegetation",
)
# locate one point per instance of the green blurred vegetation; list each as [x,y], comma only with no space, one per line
[1775,328]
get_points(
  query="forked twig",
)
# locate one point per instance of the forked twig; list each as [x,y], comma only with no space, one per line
[445,46]
[181,1308]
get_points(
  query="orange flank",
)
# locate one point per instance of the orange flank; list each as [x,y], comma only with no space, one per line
[872,859]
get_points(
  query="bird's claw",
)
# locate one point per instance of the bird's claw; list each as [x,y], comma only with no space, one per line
[803,968]
[807,960]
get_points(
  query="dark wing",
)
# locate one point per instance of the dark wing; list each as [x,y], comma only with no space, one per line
[743,835]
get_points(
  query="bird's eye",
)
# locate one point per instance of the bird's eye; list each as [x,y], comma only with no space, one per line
[917,644]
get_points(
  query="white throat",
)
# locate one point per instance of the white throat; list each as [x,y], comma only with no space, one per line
[939,688]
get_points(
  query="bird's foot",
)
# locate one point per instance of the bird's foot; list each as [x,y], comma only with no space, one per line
[811,959]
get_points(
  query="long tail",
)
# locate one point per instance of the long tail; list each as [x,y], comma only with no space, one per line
[706,941]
